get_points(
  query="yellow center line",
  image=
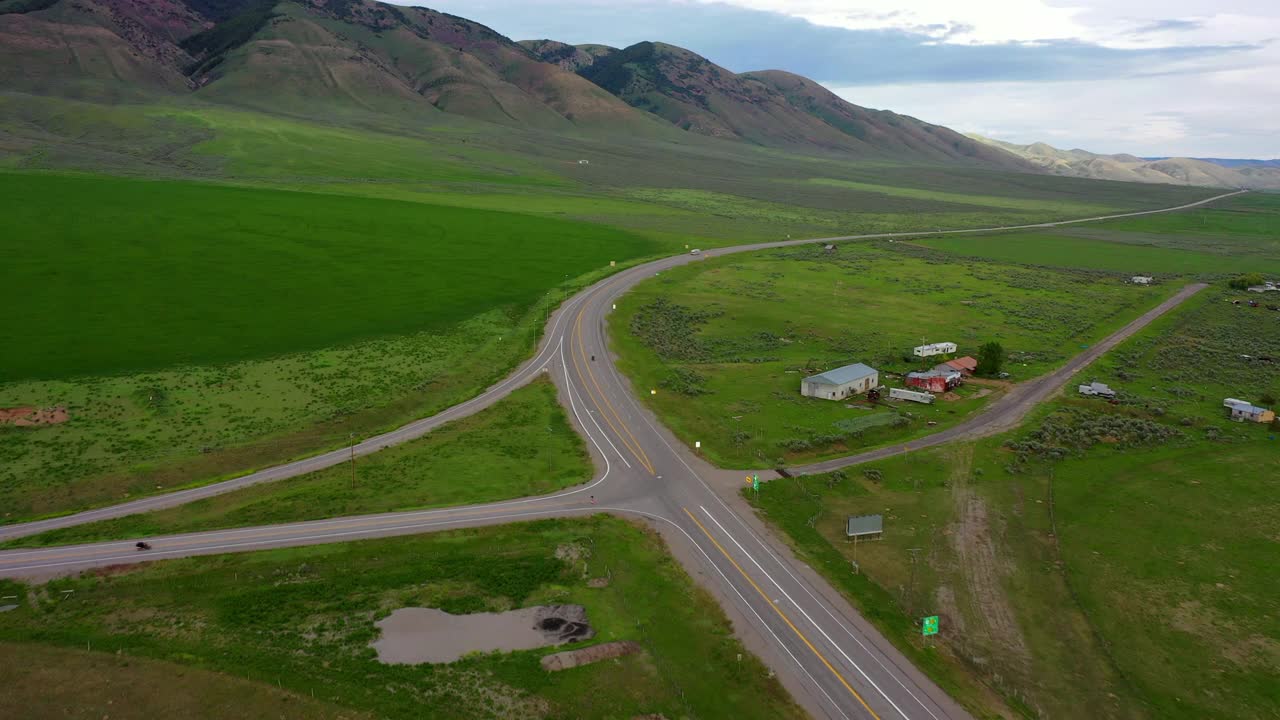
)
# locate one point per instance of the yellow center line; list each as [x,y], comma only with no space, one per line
[634,444]
[782,615]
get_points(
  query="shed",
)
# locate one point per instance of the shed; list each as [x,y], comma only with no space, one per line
[935,380]
[942,348]
[864,527]
[1098,389]
[1243,411]
[966,365]
[840,383]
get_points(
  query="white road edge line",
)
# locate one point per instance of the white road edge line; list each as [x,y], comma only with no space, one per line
[833,643]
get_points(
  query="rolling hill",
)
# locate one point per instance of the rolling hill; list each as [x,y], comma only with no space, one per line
[370,63]
[1129,168]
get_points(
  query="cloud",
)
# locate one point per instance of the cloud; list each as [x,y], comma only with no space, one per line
[744,39]
[1181,77]
[1162,26]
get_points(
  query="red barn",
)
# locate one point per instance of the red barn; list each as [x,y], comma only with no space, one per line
[935,380]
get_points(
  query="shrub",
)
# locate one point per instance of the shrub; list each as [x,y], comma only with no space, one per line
[1245,281]
[990,359]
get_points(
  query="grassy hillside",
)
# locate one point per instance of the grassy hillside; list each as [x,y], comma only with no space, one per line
[215,274]
[301,621]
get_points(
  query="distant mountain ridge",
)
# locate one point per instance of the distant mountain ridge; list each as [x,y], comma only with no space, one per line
[771,108]
[367,62]
[1130,168]
[1229,162]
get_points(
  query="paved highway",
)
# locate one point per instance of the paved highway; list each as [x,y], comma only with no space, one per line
[832,661]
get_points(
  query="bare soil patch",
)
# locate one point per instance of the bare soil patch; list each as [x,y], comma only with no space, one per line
[428,635]
[30,416]
[586,656]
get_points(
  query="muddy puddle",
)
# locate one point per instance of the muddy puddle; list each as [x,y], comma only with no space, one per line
[428,635]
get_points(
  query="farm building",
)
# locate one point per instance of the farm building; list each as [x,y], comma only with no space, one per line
[1142,279]
[966,365]
[1097,389]
[913,396]
[1265,287]
[942,348]
[935,380]
[840,383]
[864,527]
[1244,411]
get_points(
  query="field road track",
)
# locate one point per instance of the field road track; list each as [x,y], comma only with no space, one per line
[833,662]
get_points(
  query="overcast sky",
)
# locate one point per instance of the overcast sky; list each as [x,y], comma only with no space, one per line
[1148,77]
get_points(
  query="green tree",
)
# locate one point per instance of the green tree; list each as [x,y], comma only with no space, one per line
[990,359]
[1246,281]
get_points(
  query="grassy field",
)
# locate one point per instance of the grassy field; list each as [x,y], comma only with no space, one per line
[213,274]
[1106,560]
[1235,235]
[520,447]
[301,620]
[725,342]
[134,688]
[232,325]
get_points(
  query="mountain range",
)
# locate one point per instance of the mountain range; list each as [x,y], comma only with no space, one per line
[357,59]
[1130,168]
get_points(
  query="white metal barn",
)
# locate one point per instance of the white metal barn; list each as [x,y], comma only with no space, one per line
[942,348]
[841,383]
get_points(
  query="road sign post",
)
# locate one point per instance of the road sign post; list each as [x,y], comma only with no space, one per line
[929,626]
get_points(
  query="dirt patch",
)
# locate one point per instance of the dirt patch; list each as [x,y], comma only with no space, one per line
[586,656]
[988,382]
[983,568]
[428,635]
[597,583]
[31,417]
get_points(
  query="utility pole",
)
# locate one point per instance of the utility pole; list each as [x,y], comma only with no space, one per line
[352,437]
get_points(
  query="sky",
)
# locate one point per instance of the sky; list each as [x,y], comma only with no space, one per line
[1197,78]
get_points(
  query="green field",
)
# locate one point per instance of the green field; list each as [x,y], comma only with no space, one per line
[300,620]
[1108,561]
[324,279]
[520,447]
[726,341]
[209,274]
[134,688]
[1239,234]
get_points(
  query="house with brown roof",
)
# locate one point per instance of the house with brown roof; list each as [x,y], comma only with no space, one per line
[965,365]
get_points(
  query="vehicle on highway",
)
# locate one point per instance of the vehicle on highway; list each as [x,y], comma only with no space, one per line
[695,251]
[142,545]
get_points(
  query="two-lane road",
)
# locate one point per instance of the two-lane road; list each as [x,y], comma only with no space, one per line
[833,662]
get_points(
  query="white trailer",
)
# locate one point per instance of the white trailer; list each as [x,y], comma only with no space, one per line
[942,348]
[912,395]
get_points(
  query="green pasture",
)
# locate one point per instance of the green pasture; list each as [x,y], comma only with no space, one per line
[148,275]
[301,620]
[1113,560]
[520,447]
[1114,255]
[725,342]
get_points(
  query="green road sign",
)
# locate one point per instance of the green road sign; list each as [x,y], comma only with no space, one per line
[930,625]
[755,483]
